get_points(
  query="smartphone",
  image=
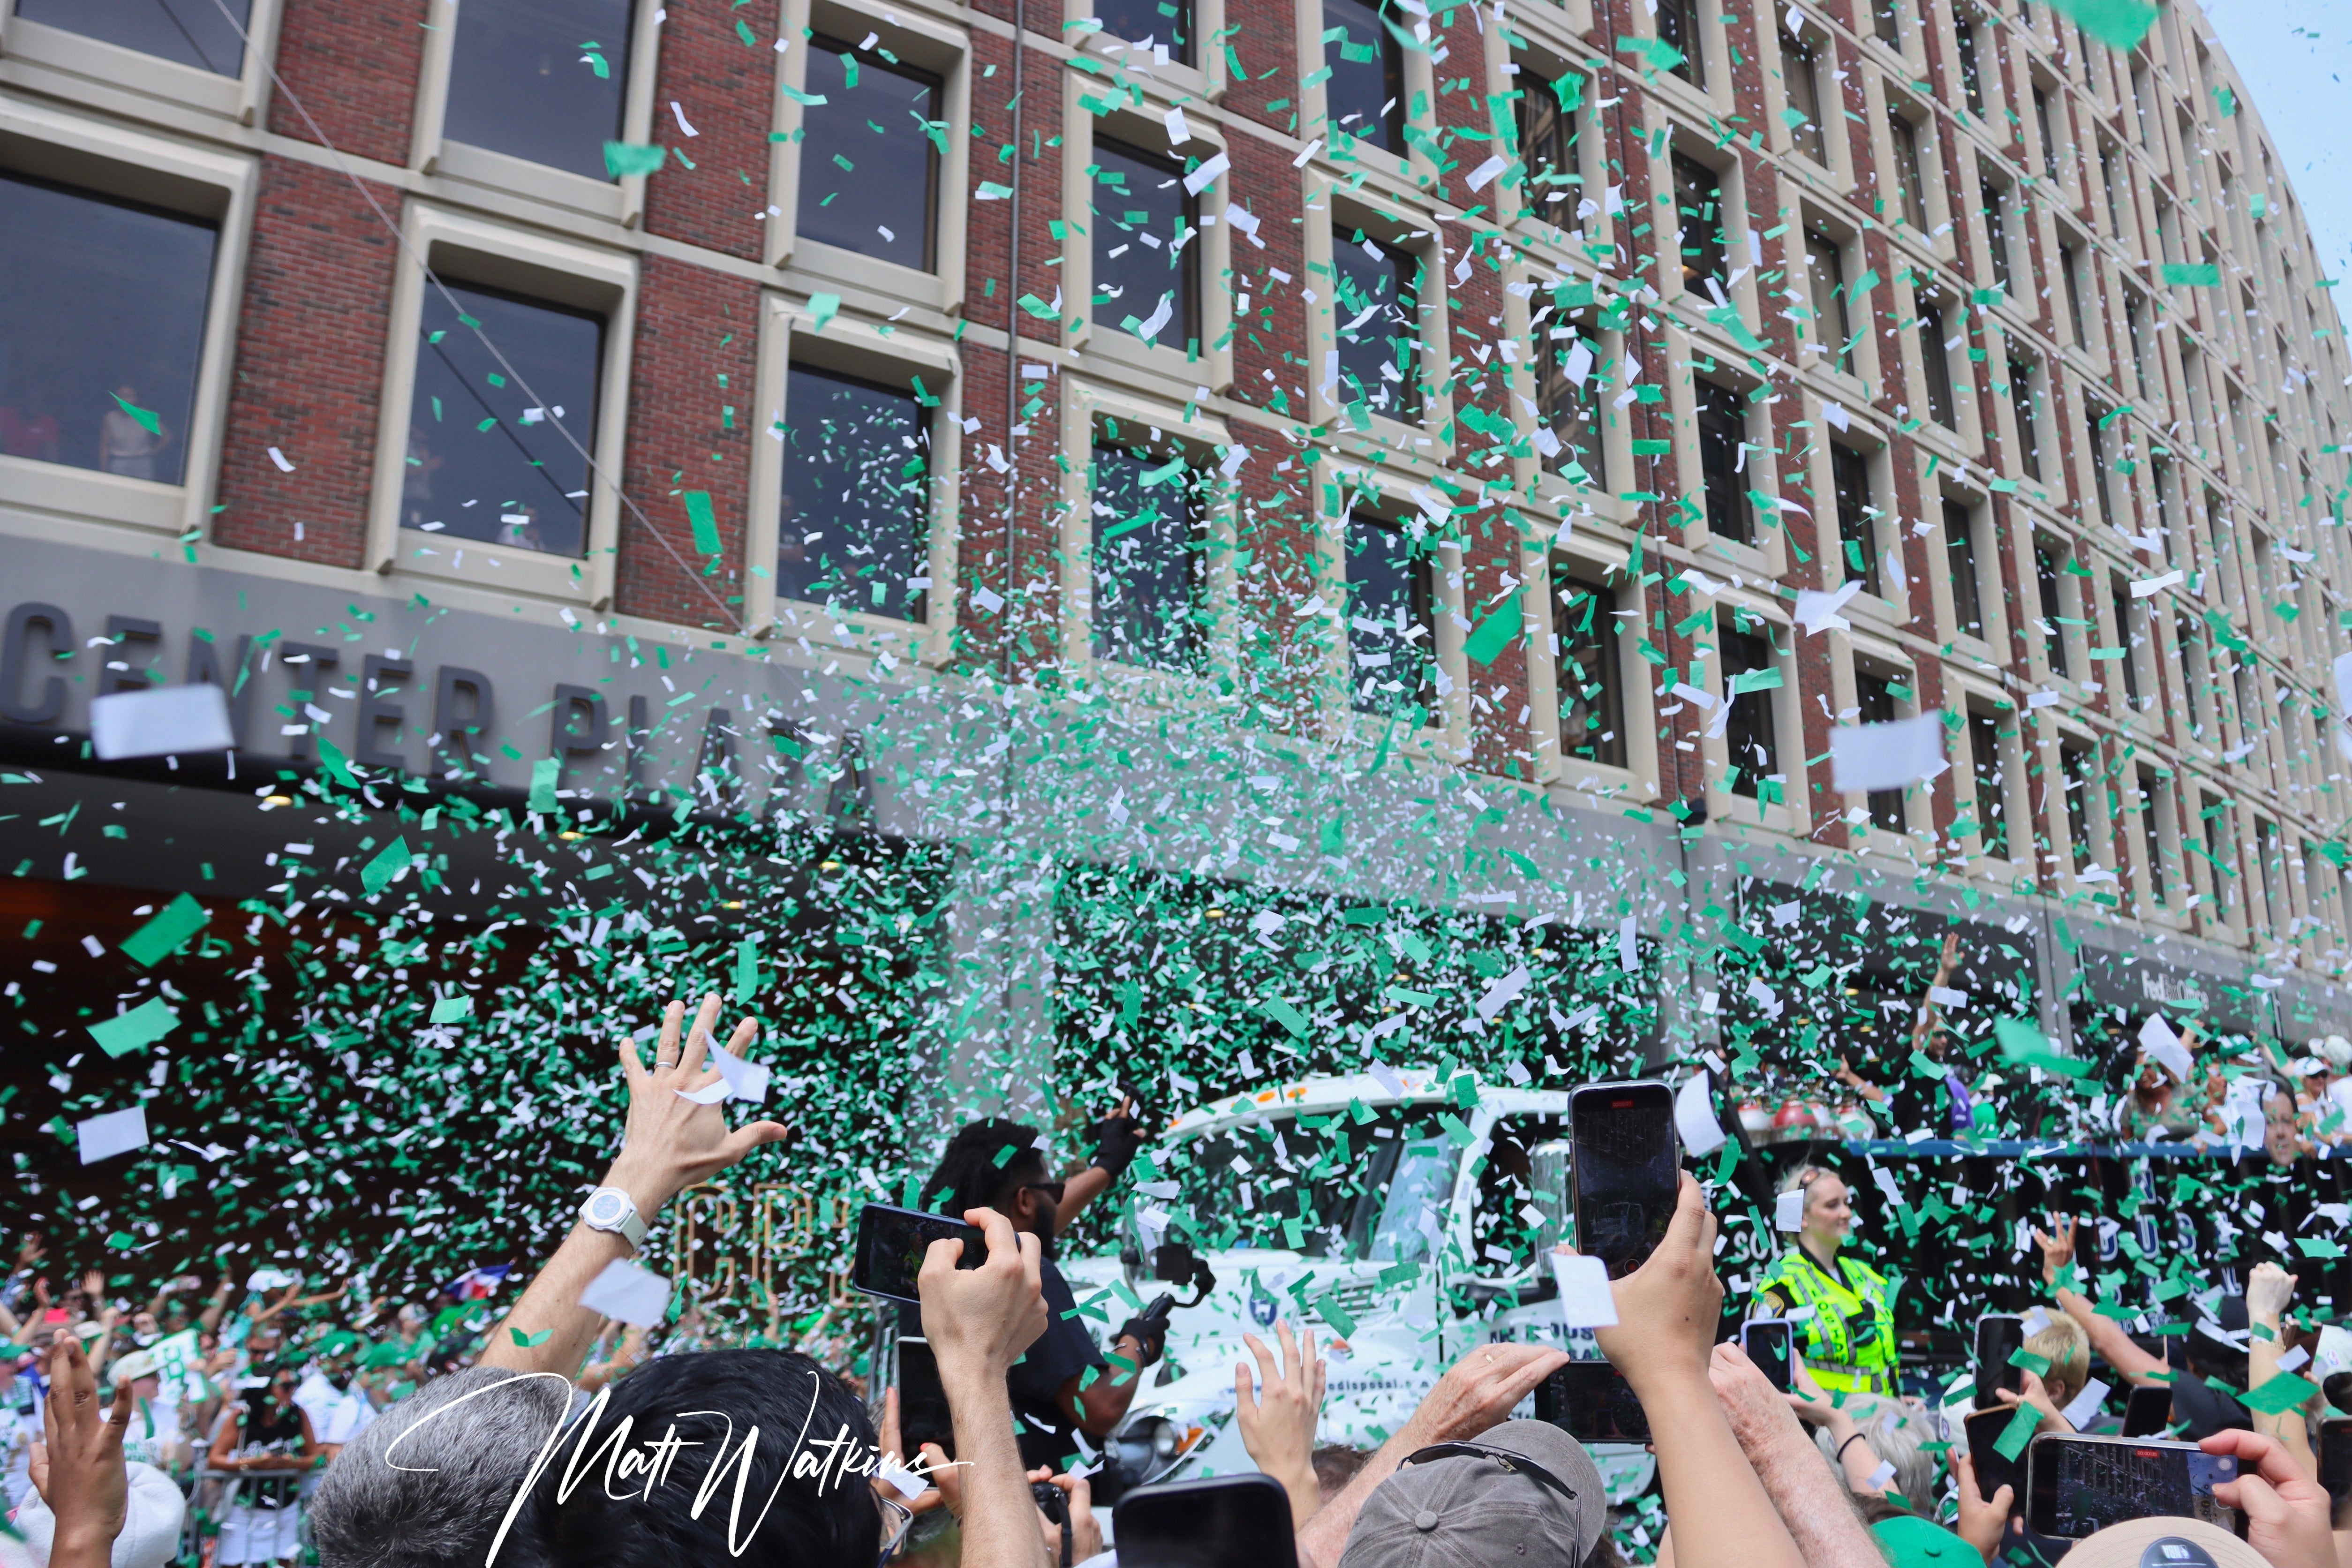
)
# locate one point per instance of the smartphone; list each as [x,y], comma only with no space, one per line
[1993,1473]
[2335,1466]
[1218,1521]
[1767,1343]
[1624,1171]
[2076,1485]
[923,1416]
[2000,1335]
[2147,1410]
[1592,1403]
[890,1247]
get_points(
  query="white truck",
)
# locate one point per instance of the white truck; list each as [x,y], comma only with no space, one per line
[1403,1218]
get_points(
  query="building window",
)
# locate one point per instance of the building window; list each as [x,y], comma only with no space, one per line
[2151,803]
[2126,633]
[1997,235]
[1961,560]
[2049,136]
[2132,340]
[1801,71]
[855,528]
[2022,405]
[1874,704]
[2074,772]
[543,83]
[2067,270]
[1378,304]
[2266,841]
[2097,451]
[200,33]
[1971,80]
[1151,561]
[1364,94]
[1992,793]
[486,461]
[1887,22]
[869,168]
[2053,620]
[1167,23]
[1908,170]
[1856,517]
[1392,620]
[1147,268]
[1677,24]
[2217,852]
[1698,209]
[1571,377]
[1749,733]
[1591,676]
[104,330]
[1722,431]
[1550,124]
[1825,265]
[1937,359]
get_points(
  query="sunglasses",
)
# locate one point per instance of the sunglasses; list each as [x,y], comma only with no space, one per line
[1053,1190]
[898,1518]
[1518,1464]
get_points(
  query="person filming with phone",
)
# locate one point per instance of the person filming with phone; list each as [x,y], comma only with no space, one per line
[1840,1308]
[1065,1386]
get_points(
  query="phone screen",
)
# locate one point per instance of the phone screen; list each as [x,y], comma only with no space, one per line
[1993,1473]
[2147,1410]
[2078,1486]
[1625,1156]
[2000,1335]
[1592,1403]
[1221,1521]
[923,1414]
[890,1247]
[1767,1342]
[2335,1466]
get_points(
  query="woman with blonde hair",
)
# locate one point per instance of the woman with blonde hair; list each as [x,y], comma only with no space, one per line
[1840,1311]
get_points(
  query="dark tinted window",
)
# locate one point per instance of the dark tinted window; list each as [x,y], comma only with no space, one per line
[856,532]
[869,155]
[1874,704]
[1992,793]
[1379,309]
[1801,65]
[1825,266]
[1856,517]
[1961,559]
[1677,24]
[1146,257]
[1550,120]
[1722,426]
[2074,767]
[185,32]
[1168,22]
[1392,620]
[1592,678]
[1997,235]
[485,461]
[1567,390]
[542,80]
[1748,734]
[104,301]
[2045,575]
[1971,83]
[1698,214]
[1937,359]
[1150,604]
[1365,91]
[1906,169]
[2152,834]
[2029,427]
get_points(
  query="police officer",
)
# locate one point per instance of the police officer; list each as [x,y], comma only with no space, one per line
[1844,1317]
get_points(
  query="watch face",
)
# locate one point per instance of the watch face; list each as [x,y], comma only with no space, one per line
[605,1208]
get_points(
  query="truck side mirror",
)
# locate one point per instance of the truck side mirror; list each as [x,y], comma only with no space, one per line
[1549,1164]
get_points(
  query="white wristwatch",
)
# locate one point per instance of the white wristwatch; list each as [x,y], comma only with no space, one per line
[610,1208]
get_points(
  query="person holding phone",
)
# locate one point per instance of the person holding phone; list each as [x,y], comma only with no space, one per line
[1064,1387]
[1841,1308]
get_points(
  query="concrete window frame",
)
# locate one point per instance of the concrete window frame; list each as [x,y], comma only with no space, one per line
[1767,618]
[851,344]
[1401,498]
[1543,563]
[1885,659]
[1413,169]
[113,160]
[1768,556]
[1890,609]
[140,86]
[480,177]
[1529,291]
[1400,228]
[1202,439]
[1171,82]
[1970,701]
[1146,130]
[928,44]
[461,247]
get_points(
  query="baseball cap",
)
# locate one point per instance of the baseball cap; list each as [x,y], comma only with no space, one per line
[129,1368]
[1478,1510]
[2163,1543]
[1910,1542]
[153,1512]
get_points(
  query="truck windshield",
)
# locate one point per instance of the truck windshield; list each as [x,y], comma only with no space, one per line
[1324,1186]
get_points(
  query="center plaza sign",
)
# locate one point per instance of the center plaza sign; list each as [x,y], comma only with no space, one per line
[313,675]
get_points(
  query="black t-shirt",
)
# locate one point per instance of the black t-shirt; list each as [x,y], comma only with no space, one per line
[1063,1352]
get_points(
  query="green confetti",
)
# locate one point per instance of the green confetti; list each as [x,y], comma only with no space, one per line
[2281,1393]
[389,862]
[146,416]
[2118,24]
[1496,632]
[142,1026]
[167,934]
[531,1341]
[2193,275]
[2017,1433]
[823,307]
[450,1009]
[623,159]
[705,523]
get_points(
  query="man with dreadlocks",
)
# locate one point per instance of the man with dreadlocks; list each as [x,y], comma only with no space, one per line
[1063,1386]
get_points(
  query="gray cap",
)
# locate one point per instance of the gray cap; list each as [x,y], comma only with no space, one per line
[1471,1511]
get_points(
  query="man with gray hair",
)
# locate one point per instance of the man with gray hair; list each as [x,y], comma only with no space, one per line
[440,1500]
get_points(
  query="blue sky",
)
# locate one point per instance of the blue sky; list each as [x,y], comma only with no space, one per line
[2293,56]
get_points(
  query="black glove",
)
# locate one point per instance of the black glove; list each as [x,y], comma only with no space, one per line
[1116,1140]
[1149,1329]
